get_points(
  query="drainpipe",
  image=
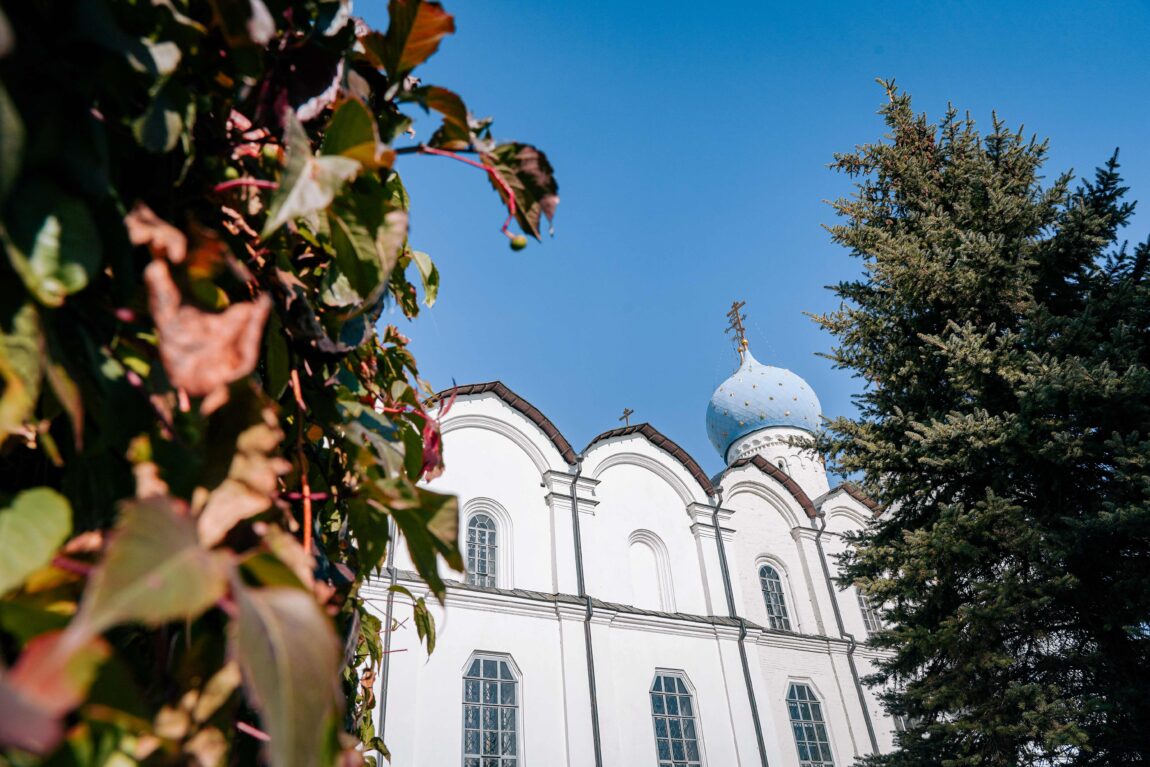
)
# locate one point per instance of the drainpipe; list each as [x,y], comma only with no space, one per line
[385,664]
[851,642]
[742,628]
[590,610]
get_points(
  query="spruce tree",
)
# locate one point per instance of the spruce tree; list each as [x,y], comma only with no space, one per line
[1001,329]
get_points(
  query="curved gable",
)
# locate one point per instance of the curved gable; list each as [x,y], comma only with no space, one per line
[780,476]
[517,403]
[652,435]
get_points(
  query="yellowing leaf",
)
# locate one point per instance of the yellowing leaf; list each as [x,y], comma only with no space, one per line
[309,183]
[353,133]
[290,658]
[251,480]
[31,529]
[429,274]
[154,570]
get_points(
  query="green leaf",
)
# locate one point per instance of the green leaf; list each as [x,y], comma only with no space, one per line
[11,143]
[370,526]
[424,624]
[413,35]
[63,384]
[21,369]
[52,243]
[154,570]
[161,125]
[309,183]
[290,658]
[430,526]
[353,133]
[429,274]
[367,234]
[31,529]
[277,361]
[528,173]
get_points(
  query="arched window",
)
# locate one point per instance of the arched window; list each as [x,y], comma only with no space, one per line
[776,603]
[490,713]
[676,729]
[809,727]
[870,617]
[482,542]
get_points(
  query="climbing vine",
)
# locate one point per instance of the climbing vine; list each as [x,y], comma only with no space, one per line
[205,431]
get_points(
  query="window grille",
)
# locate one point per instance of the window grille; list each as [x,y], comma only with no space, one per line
[870,617]
[676,729]
[776,603]
[809,727]
[482,542]
[490,714]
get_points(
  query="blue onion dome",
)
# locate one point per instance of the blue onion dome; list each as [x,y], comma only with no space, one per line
[759,396]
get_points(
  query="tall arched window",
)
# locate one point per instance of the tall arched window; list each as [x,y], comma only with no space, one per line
[809,727]
[490,713]
[776,603]
[482,541]
[870,617]
[676,729]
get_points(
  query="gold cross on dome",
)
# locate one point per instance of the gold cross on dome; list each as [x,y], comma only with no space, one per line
[626,417]
[736,327]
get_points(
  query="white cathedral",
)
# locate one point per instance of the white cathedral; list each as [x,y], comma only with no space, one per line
[622,609]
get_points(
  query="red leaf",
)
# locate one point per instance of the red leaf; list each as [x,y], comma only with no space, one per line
[413,35]
[528,173]
[51,677]
[202,352]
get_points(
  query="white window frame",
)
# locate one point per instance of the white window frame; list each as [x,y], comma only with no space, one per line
[821,699]
[696,716]
[504,539]
[870,617]
[788,596]
[520,708]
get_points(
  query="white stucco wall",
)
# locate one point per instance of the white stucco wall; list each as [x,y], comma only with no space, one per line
[649,542]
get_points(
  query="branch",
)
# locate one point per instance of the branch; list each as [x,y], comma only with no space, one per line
[499,180]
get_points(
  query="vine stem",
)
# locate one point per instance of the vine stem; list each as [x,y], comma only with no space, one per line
[303,467]
[499,180]
[71,565]
[247,729]
[259,183]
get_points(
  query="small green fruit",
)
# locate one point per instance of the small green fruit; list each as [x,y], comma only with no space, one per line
[231,173]
[519,242]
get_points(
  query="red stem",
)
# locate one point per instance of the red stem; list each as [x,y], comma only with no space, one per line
[71,565]
[424,149]
[247,729]
[256,182]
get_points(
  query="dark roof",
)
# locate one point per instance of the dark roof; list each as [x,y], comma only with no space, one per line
[658,440]
[784,479]
[853,491]
[514,401]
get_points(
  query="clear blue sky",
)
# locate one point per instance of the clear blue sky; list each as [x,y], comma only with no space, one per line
[690,141]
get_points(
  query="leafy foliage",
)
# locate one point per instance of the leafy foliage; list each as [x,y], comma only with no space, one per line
[205,434]
[1003,334]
